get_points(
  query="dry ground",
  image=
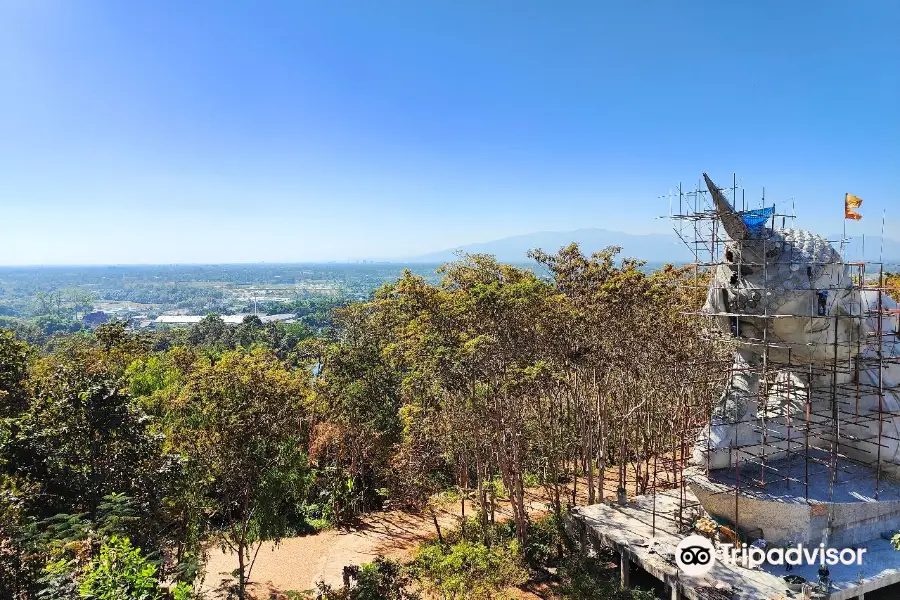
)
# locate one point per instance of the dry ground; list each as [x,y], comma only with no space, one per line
[297,563]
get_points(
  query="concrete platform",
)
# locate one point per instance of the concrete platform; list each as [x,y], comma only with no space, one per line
[792,500]
[647,531]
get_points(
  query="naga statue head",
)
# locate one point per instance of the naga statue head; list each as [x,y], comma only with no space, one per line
[783,291]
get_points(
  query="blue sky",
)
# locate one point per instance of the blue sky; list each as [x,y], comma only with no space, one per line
[157,132]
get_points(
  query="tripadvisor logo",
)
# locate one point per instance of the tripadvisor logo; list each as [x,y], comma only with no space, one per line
[695,555]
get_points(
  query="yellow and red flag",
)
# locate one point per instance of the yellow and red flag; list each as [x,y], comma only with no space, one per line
[851,202]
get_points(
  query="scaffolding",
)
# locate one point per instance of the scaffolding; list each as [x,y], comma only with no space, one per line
[830,439]
[823,412]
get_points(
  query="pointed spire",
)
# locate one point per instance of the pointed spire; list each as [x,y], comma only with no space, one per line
[732,222]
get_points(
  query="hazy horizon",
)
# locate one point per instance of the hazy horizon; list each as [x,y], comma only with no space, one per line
[203,133]
[372,259]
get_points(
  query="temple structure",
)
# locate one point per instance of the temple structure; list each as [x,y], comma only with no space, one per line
[813,387]
[803,445]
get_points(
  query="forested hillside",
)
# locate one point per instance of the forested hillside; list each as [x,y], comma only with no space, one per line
[124,454]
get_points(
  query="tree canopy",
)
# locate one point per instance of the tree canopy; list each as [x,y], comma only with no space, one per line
[132,448]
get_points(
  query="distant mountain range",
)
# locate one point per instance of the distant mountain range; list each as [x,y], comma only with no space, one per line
[654,248]
[870,248]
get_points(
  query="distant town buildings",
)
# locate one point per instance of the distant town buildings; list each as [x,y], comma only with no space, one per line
[228,319]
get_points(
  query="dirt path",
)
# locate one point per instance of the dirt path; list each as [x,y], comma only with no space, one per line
[297,563]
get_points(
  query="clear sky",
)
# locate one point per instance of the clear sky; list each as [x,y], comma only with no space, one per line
[215,131]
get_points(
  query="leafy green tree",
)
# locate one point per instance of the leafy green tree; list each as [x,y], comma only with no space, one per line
[14,358]
[82,438]
[239,421]
[83,302]
[156,381]
[208,332]
[25,330]
[213,334]
[149,375]
[15,570]
[54,324]
[356,402]
[80,443]
[19,568]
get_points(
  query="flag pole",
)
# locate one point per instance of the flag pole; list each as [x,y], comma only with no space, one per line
[844,235]
[845,214]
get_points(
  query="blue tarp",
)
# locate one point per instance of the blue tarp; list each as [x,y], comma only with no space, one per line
[755,220]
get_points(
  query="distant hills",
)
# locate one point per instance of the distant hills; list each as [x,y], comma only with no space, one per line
[654,248]
[651,247]
[870,248]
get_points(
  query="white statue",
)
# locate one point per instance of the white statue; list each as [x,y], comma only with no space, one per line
[792,306]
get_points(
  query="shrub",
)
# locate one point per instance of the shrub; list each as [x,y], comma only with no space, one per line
[383,579]
[580,578]
[314,517]
[496,486]
[595,578]
[579,582]
[531,480]
[470,569]
[120,572]
[545,542]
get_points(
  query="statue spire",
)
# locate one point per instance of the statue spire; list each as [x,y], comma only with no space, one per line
[732,222]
